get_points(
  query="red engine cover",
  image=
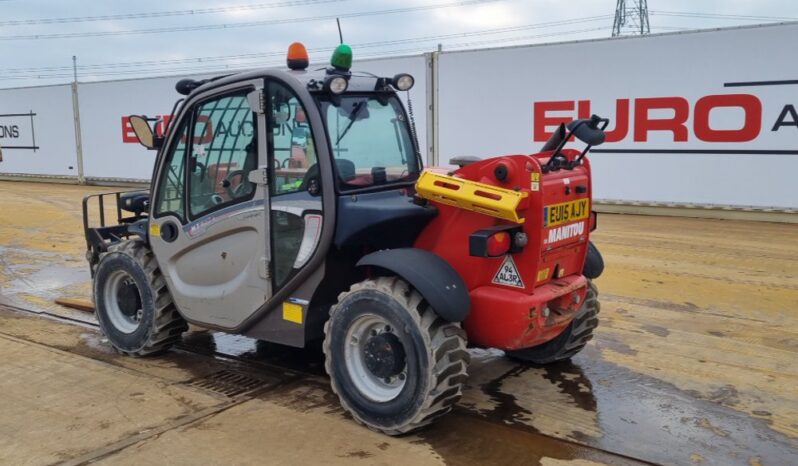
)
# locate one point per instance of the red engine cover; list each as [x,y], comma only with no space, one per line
[526,298]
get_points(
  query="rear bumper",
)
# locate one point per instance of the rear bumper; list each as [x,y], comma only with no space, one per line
[506,319]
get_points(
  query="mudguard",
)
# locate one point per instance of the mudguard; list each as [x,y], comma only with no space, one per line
[594,263]
[433,277]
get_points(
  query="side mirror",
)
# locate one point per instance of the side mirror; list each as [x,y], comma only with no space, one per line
[588,131]
[143,132]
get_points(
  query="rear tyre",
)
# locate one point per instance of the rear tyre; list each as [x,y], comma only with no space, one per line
[394,364]
[571,340]
[134,307]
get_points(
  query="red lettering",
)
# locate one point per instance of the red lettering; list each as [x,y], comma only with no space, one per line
[675,124]
[752,124]
[583,109]
[542,121]
[621,122]
[128,135]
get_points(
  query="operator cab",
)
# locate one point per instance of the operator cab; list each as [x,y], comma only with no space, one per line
[330,153]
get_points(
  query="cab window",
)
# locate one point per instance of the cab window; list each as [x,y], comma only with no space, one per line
[370,139]
[292,151]
[170,187]
[296,183]
[224,149]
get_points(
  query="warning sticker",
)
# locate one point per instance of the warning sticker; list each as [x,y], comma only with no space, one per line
[508,274]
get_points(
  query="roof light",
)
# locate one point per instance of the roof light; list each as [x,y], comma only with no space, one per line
[342,58]
[403,82]
[297,57]
[336,84]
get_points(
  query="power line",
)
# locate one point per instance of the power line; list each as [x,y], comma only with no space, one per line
[687,14]
[210,69]
[144,63]
[162,14]
[272,22]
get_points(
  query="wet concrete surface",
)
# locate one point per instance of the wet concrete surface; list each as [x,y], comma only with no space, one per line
[693,361]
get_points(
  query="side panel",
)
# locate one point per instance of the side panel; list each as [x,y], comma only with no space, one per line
[679,132]
[216,274]
[37,131]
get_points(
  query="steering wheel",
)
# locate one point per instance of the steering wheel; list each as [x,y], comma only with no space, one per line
[228,181]
[310,182]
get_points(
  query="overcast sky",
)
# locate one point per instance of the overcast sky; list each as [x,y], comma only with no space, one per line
[114,48]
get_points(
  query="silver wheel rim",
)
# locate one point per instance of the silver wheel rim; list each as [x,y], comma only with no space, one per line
[371,386]
[121,321]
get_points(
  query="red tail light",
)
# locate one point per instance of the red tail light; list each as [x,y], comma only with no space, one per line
[498,244]
[495,241]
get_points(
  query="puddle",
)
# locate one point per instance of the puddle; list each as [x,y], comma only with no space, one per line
[40,275]
[308,360]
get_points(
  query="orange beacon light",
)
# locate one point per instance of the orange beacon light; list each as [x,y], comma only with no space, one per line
[297,58]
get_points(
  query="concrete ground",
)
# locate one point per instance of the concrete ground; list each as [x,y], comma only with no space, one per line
[694,362]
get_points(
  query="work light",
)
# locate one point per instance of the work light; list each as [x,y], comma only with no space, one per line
[336,84]
[403,82]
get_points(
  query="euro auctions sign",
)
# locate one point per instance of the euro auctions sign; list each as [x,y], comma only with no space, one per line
[17,131]
[729,117]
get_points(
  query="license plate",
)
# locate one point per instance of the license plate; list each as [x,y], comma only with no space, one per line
[564,212]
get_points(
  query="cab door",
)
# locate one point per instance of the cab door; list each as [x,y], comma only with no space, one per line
[209,226]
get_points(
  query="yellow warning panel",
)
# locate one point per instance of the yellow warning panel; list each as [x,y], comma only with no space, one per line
[471,195]
[543,274]
[155,229]
[292,312]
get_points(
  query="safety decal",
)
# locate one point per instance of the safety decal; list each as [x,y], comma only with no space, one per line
[543,274]
[292,312]
[508,274]
[535,181]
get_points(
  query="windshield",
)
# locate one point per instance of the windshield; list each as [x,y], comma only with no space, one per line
[370,140]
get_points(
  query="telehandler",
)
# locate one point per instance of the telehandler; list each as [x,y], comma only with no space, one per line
[292,206]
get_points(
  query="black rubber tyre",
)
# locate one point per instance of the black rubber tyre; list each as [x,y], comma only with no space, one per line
[157,325]
[434,356]
[571,340]
[594,263]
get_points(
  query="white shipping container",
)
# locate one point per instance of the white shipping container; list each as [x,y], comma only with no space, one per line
[711,115]
[37,131]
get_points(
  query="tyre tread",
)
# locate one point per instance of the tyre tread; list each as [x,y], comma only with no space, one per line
[446,346]
[168,324]
[580,332]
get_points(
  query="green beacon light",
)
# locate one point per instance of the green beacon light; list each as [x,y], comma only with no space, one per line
[342,58]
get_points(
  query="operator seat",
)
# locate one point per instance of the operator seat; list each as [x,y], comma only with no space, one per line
[345,169]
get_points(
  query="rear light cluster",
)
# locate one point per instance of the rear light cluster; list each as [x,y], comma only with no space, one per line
[498,244]
[497,241]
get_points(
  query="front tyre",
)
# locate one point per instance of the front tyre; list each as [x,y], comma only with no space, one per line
[394,364]
[133,304]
